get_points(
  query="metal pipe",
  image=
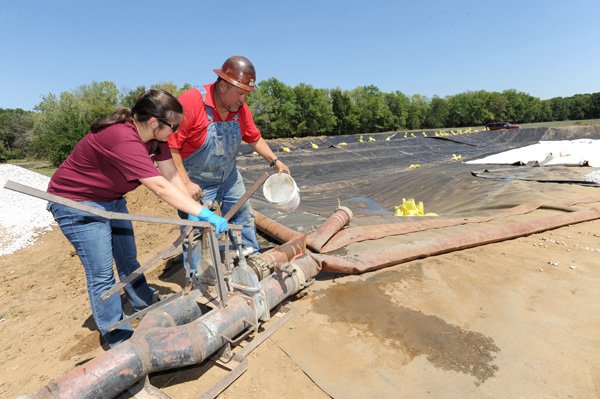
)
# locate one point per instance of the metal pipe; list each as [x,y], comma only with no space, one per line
[280,286]
[155,347]
[296,244]
[284,252]
[274,229]
[152,350]
[332,225]
[264,264]
[336,222]
[181,311]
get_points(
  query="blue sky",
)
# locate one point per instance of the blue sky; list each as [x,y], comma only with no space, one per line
[545,48]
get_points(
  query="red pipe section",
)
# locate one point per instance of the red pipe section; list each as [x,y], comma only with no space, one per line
[284,252]
[315,240]
[274,229]
[264,264]
[336,222]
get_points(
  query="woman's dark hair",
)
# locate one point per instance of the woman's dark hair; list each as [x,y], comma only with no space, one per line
[152,103]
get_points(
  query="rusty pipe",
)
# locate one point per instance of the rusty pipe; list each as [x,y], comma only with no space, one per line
[332,225]
[151,350]
[159,345]
[176,335]
[274,229]
[178,312]
[264,264]
[336,222]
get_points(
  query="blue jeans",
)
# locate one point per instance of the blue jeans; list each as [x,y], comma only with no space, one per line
[227,195]
[98,241]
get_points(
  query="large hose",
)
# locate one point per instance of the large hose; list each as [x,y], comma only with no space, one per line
[373,232]
[382,257]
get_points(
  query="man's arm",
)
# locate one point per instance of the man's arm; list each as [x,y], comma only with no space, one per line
[192,188]
[263,149]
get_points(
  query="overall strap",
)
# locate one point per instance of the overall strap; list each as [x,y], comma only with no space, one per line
[209,110]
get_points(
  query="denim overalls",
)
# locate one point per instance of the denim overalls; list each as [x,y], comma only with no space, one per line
[213,168]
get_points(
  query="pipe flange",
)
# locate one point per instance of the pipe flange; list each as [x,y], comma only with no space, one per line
[260,267]
[348,211]
[300,277]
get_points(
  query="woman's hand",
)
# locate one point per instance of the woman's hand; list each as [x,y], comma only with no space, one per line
[206,215]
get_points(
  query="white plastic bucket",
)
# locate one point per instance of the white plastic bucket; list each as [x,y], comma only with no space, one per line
[281,192]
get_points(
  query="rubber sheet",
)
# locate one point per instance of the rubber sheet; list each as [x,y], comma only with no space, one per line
[367,335]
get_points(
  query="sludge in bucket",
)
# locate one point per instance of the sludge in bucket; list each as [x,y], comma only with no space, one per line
[281,192]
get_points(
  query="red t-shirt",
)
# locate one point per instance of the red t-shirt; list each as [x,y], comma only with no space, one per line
[106,165]
[192,132]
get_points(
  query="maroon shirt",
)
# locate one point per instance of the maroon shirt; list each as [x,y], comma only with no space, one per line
[106,165]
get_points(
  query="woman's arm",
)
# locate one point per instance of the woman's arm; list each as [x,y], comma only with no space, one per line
[171,173]
[172,194]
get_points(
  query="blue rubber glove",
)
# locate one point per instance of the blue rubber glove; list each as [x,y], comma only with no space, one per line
[192,217]
[206,215]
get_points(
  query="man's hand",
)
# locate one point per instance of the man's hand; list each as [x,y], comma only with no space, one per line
[280,167]
[194,190]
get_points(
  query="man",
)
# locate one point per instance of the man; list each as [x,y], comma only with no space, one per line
[216,119]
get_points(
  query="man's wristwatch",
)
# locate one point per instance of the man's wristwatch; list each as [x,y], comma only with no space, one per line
[273,162]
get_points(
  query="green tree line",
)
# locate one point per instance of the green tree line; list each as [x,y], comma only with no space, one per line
[59,121]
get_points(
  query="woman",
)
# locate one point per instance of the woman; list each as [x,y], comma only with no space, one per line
[116,156]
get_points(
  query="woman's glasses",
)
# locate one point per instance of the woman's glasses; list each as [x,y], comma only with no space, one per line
[173,127]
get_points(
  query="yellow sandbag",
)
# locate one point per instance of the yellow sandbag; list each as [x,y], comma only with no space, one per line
[411,208]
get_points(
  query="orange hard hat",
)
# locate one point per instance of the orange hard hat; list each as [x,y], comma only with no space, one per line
[238,71]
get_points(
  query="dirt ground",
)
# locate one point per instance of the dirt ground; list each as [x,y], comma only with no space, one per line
[518,318]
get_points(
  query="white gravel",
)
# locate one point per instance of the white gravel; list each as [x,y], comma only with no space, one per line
[22,217]
[593,176]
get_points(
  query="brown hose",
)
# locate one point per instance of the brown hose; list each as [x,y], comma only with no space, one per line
[384,257]
[374,232]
